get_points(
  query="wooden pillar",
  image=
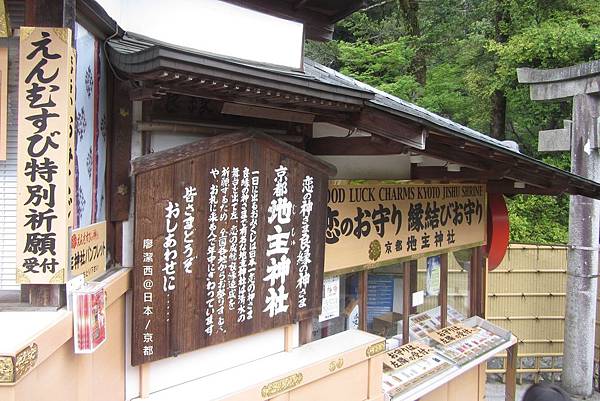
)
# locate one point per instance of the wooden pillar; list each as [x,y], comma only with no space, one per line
[511,373]
[305,331]
[288,337]
[413,282]
[144,380]
[363,284]
[476,282]
[406,300]
[443,295]
[47,13]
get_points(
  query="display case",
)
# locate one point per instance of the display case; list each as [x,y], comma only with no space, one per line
[439,356]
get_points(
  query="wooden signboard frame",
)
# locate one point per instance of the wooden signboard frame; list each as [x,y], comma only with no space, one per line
[229,241]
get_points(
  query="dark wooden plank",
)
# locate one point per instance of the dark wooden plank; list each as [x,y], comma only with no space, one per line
[363,285]
[44,294]
[150,225]
[120,150]
[305,331]
[354,146]
[443,295]
[46,13]
[477,291]
[390,126]
[69,15]
[466,174]
[413,283]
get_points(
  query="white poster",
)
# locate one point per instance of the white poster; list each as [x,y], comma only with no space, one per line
[433,275]
[330,306]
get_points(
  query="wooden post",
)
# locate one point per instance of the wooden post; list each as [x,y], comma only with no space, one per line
[443,295]
[511,373]
[413,283]
[144,380]
[288,337]
[476,288]
[363,283]
[406,301]
[305,331]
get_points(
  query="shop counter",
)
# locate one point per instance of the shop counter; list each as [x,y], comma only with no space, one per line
[344,366]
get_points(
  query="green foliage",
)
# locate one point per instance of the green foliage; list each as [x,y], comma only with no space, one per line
[469,56]
[539,219]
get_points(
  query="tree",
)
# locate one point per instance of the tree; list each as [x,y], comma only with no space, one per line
[458,58]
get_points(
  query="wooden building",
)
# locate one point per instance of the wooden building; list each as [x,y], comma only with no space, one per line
[227,274]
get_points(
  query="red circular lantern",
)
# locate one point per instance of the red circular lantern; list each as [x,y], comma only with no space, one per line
[498,230]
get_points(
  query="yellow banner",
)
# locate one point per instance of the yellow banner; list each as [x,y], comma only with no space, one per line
[370,224]
[44,196]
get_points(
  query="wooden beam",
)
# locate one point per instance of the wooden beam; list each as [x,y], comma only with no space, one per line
[365,146]
[390,126]
[455,155]
[435,173]
[269,113]
[507,187]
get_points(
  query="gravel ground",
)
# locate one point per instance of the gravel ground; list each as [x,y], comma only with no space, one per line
[495,392]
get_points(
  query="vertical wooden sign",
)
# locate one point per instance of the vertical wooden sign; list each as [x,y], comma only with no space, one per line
[230,236]
[44,199]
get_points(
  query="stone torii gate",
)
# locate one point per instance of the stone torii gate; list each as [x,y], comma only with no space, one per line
[581,136]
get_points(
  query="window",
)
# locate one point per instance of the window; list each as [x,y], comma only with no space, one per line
[428,285]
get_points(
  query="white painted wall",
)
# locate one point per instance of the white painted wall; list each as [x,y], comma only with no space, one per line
[381,167]
[213,26]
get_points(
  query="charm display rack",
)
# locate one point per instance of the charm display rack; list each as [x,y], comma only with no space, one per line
[419,367]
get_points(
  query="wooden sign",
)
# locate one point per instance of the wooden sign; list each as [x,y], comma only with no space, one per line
[451,334]
[88,251]
[229,241]
[373,223]
[407,354]
[45,179]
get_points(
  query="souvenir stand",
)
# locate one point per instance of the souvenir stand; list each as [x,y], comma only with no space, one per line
[262,229]
[388,247]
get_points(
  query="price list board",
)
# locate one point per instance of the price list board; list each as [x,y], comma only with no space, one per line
[398,381]
[469,348]
[430,320]
[407,354]
[451,334]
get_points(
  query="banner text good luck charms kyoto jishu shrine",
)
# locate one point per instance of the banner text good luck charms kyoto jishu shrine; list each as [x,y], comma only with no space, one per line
[230,237]
[374,223]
